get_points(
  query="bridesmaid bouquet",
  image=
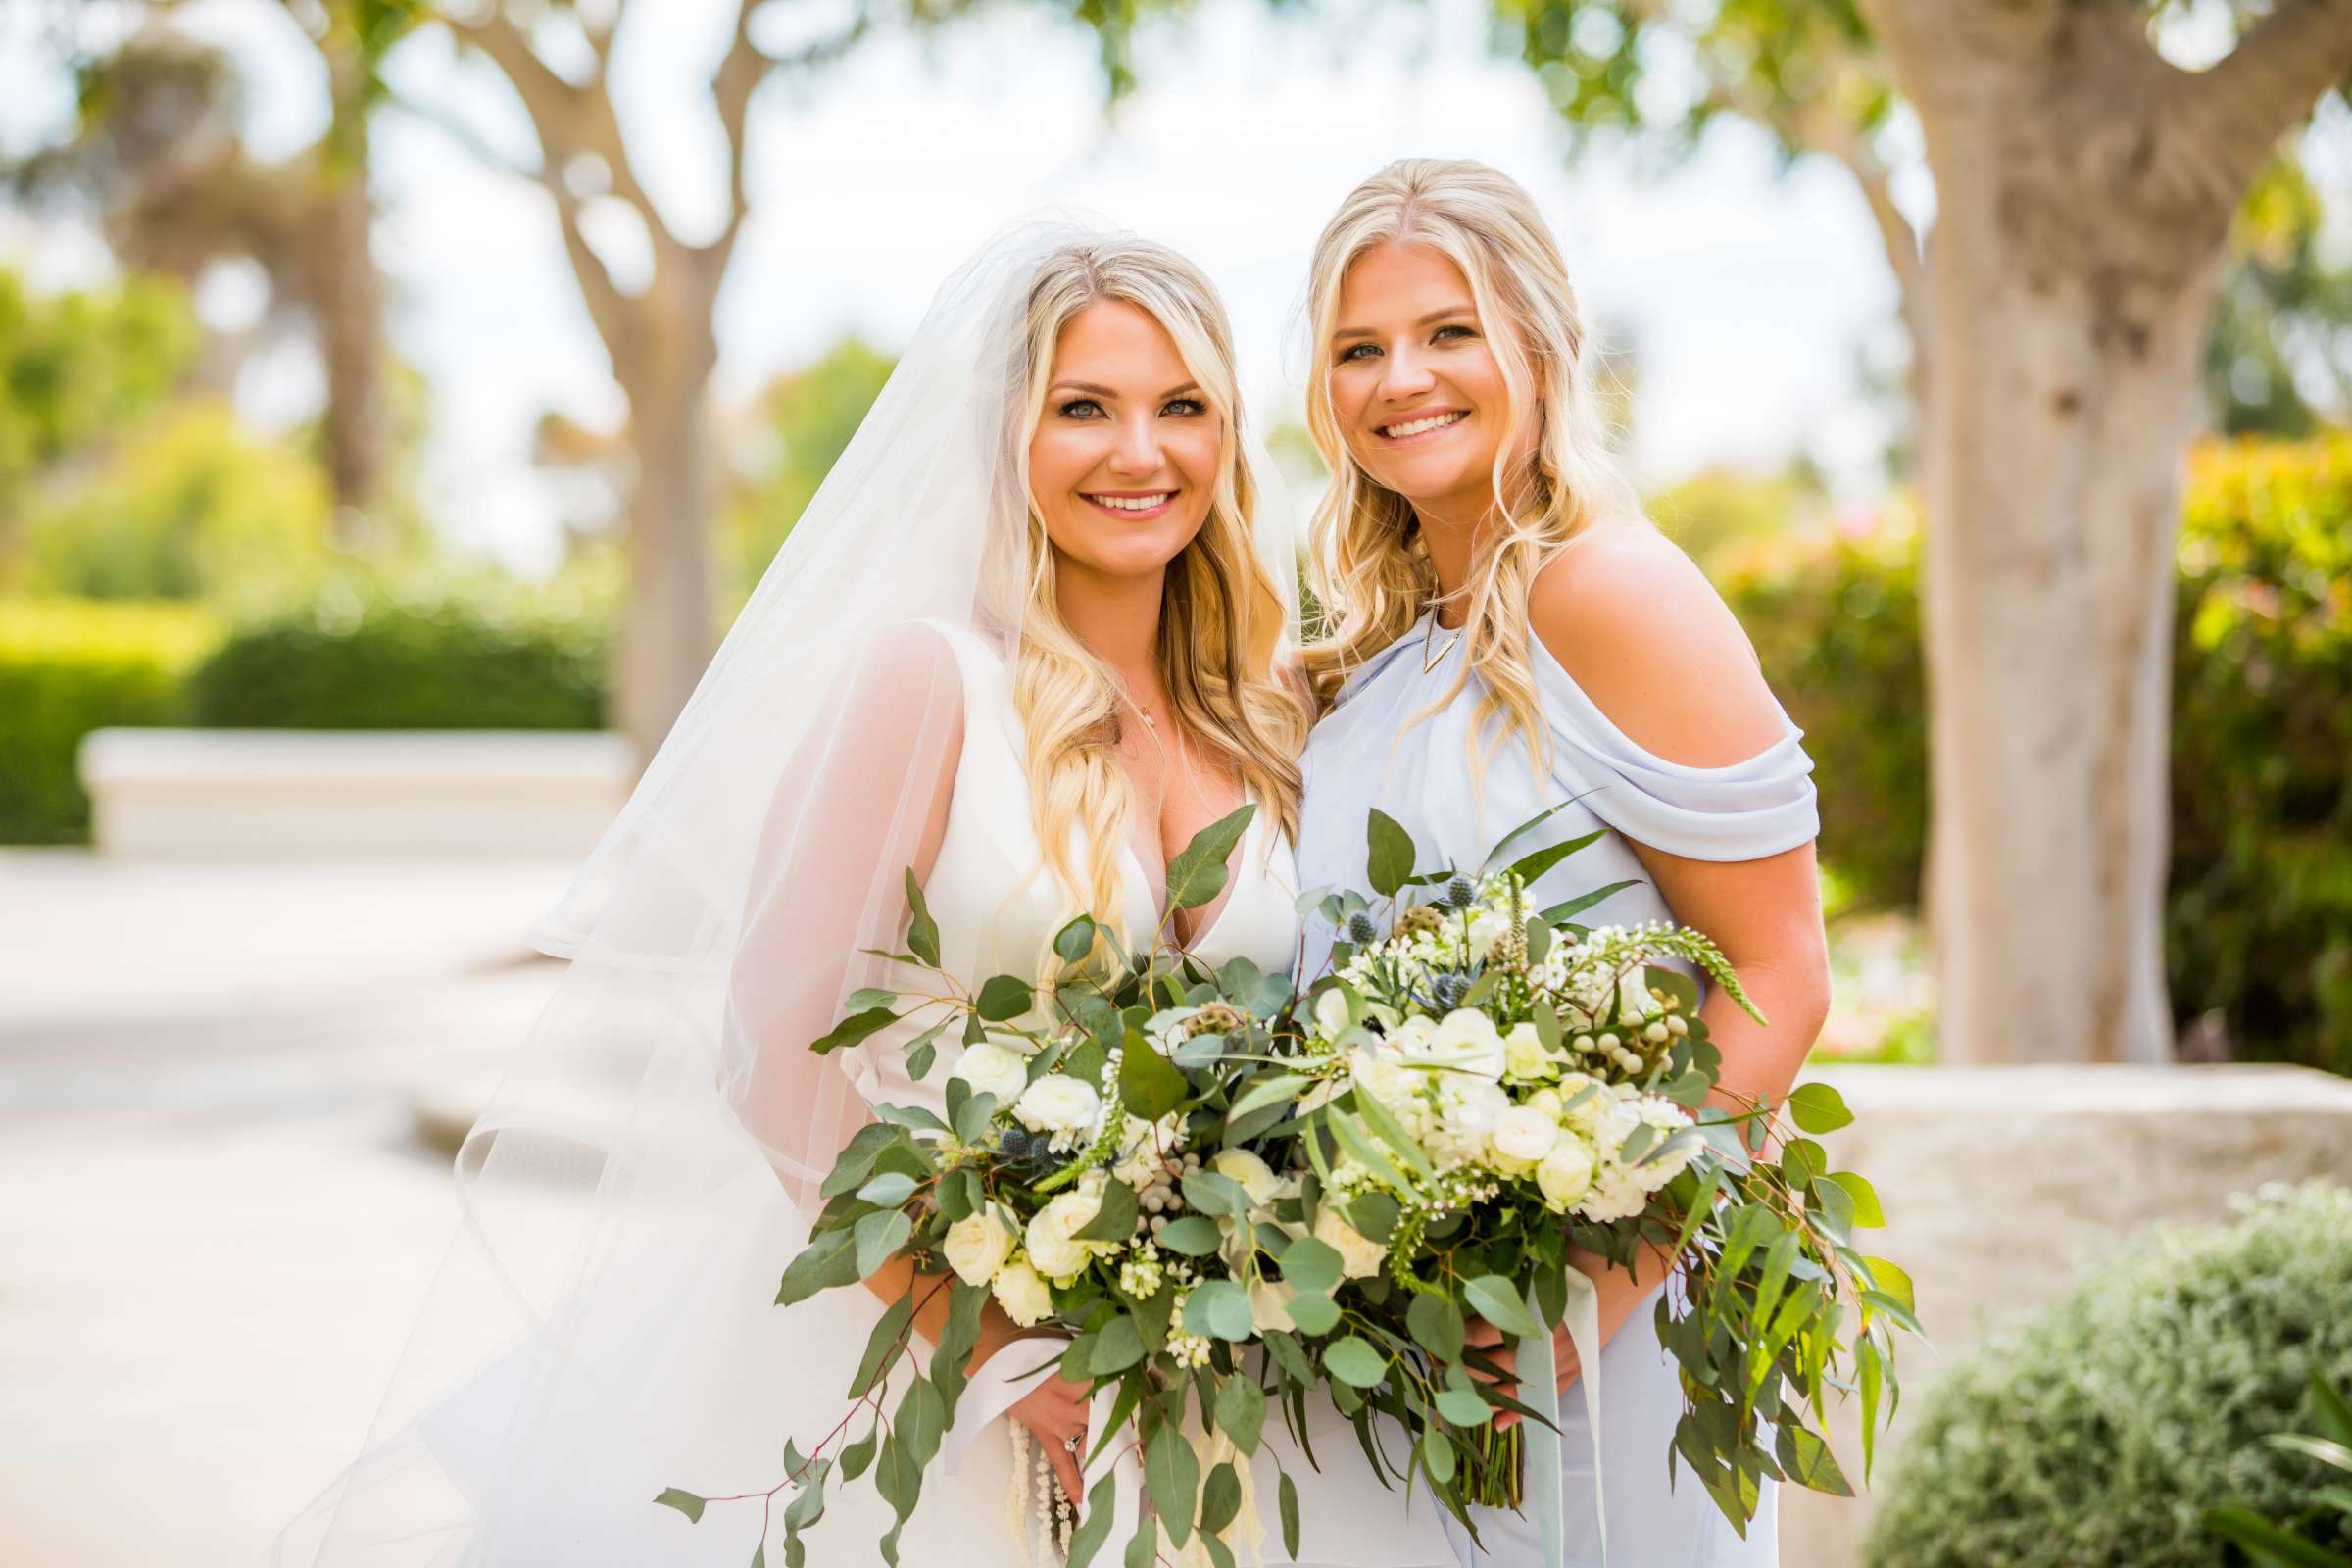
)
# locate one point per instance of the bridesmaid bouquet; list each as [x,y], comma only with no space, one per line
[1494,1087]
[1113,1162]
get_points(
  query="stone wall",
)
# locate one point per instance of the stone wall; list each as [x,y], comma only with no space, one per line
[1999,1183]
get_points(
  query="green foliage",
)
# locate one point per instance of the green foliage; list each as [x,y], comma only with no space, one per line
[2259,907]
[76,366]
[479,655]
[803,424]
[2102,1429]
[2259,911]
[67,667]
[1835,621]
[189,506]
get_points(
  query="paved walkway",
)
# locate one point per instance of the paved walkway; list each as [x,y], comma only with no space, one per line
[216,1214]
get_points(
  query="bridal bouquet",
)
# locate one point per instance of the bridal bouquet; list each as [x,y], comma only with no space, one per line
[1110,1164]
[1495,1089]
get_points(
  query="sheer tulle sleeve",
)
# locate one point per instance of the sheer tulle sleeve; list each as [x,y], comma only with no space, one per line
[865,800]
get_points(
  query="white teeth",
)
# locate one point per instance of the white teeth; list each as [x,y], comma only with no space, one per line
[1436,421]
[1131,503]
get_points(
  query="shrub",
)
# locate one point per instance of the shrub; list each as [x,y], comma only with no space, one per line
[482,657]
[1835,621]
[2259,905]
[2100,1430]
[68,667]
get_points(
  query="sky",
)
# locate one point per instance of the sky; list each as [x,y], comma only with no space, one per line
[1745,293]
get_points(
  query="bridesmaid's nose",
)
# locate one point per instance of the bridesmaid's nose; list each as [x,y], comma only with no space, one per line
[1404,379]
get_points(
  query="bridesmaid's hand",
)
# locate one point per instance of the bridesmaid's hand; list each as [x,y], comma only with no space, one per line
[1054,1412]
[1485,1336]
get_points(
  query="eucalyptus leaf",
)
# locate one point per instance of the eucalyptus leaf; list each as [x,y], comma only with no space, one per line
[1149,1082]
[888,1189]
[922,933]
[1391,859]
[879,1236]
[1818,1107]
[1499,1302]
[1198,874]
[1314,1312]
[853,1028]
[1194,1235]
[686,1503]
[1241,1408]
[1355,1362]
[1312,1265]
[828,1261]
[1004,997]
[1437,1326]
[1172,1472]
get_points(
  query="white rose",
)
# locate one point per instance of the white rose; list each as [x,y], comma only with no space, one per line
[1254,1174]
[1359,1255]
[1524,1057]
[1412,1037]
[1057,1104]
[1138,1158]
[991,1069]
[1565,1172]
[1022,1294]
[1383,1079]
[1052,1234]
[1523,1134]
[1466,1042]
[977,1246]
[1331,1013]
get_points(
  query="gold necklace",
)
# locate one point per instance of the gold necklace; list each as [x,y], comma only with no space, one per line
[1428,660]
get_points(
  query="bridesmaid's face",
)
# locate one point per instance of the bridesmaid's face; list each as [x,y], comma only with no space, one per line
[1124,462]
[1414,385]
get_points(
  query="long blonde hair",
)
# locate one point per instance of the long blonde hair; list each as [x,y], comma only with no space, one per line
[1370,562]
[1222,616]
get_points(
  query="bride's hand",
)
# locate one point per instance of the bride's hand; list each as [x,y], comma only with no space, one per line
[1055,1409]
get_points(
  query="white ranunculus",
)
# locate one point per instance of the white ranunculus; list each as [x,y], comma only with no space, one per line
[1413,1036]
[1360,1256]
[1057,1104]
[1022,1294]
[1523,1134]
[1053,1236]
[977,1246]
[1466,1042]
[1254,1174]
[1383,1079]
[1524,1058]
[991,1069]
[1331,1013]
[1565,1172]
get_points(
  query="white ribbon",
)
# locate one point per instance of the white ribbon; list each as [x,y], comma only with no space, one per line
[1546,1494]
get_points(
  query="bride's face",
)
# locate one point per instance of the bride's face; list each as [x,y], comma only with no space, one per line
[1124,462]
[1416,386]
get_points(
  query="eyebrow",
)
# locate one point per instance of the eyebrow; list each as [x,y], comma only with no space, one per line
[1092,390]
[1430,320]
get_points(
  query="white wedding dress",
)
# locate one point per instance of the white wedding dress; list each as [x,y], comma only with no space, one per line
[677,1371]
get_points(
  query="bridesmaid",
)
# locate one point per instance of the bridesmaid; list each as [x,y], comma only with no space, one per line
[1506,631]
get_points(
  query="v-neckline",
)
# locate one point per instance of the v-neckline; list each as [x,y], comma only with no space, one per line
[1160,913]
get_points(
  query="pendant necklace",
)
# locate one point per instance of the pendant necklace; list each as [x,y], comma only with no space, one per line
[1428,660]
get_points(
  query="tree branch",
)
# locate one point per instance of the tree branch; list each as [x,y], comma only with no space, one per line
[740,72]
[2266,85]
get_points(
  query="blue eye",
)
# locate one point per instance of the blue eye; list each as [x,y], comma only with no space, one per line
[1463,330]
[1184,406]
[1080,409]
[1360,350]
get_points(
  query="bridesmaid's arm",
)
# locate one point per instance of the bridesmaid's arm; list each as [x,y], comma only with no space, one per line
[1648,638]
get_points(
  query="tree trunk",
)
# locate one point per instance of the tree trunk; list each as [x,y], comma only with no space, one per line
[347,301]
[667,633]
[2073,293]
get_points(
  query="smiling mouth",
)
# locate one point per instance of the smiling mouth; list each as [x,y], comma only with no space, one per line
[1134,505]
[1422,426]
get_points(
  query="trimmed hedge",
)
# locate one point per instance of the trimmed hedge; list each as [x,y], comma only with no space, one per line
[426,664]
[69,667]
[2102,1429]
[2259,915]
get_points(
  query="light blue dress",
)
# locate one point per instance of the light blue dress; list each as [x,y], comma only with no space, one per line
[1363,754]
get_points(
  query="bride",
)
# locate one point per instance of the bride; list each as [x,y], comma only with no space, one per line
[1020,648]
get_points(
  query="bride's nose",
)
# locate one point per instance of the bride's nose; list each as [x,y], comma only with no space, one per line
[1135,454]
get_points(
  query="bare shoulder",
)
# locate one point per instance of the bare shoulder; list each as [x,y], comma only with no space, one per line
[1638,626]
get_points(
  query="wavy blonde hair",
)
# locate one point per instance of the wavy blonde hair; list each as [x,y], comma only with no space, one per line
[1222,620]
[1370,562]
